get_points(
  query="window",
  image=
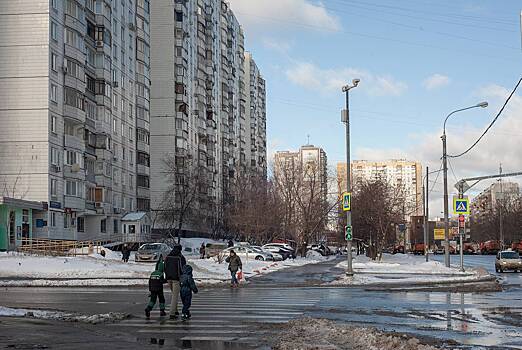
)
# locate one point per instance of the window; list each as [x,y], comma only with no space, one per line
[131,113]
[130,133]
[91,84]
[53,187]
[123,105]
[74,188]
[143,136]
[115,101]
[103,225]
[80,224]
[122,129]
[142,91]
[54,31]
[73,38]
[115,52]
[131,182]
[53,61]
[72,157]
[74,98]
[123,153]
[143,181]
[142,113]
[72,9]
[55,156]
[143,159]
[65,220]
[179,16]
[54,4]
[115,126]
[73,69]
[52,217]
[115,226]
[53,123]
[53,92]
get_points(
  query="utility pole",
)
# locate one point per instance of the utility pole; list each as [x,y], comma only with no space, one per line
[346,119]
[426,192]
[500,205]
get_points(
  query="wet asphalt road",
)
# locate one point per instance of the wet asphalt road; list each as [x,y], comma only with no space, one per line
[224,318]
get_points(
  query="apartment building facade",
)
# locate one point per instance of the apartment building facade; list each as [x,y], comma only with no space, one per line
[207,104]
[397,172]
[74,112]
[486,204]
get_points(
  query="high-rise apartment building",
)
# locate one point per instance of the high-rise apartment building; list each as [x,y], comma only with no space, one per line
[207,103]
[403,173]
[74,112]
[310,163]
[485,205]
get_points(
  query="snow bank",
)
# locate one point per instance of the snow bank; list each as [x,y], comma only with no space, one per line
[402,269]
[62,316]
[311,334]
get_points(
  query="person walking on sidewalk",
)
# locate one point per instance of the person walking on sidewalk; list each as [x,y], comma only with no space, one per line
[156,280]
[234,264]
[187,287]
[202,251]
[125,253]
[174,263]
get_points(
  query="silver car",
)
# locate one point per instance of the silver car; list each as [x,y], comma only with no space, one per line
[508,260]
[247,252]
[152,252]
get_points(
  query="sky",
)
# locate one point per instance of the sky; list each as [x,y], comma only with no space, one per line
[418,60]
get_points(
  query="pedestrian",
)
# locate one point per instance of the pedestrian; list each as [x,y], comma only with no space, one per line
[230,243]
[187,287]
[202,251]
[156,281]
[234,263]
[125,253]
[174,263]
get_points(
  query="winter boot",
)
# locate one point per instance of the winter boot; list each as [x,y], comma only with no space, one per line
[147,313]
[184,317]
[163,313]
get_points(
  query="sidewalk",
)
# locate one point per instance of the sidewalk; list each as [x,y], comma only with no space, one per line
[404,270]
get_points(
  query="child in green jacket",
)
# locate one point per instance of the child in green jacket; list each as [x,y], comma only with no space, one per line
[156,281]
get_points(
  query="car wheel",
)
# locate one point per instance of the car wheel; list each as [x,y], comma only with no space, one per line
[259,257]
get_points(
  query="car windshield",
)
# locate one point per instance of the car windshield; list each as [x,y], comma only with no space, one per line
[510,255]
[150,247]
[257,249]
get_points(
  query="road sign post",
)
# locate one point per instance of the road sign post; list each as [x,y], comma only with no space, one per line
[461,208]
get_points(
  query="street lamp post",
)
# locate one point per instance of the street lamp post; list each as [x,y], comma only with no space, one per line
[346,119]
[445,171]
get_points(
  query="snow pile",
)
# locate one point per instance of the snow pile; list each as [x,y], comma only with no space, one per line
[401,269]
[62,316]
[309,333]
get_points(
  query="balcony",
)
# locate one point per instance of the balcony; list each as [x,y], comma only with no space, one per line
[143,147]
[74,113]
[143,192]
[75,24]
[74,143]
[75,203]
[142,169]
[73,172]
[75,83]
[142,124]
[74,53]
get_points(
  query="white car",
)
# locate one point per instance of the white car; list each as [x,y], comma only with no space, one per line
[247,252]
[276,256]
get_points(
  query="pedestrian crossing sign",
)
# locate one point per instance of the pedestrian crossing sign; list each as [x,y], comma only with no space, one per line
[461,206]
[347,201]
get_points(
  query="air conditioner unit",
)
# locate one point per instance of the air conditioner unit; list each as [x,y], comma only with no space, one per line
[99,205]
[114,158]
[55,168]
[99,43]
[65,69]
[75,168]
[115,84]
[132,26]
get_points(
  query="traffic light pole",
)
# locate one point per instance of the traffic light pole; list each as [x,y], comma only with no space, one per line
[349,268]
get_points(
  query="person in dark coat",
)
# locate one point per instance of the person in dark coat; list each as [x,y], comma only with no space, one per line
[187,287]
[234,264]
[230,243]
[156,280]
[174,263]
[202,251]
[125,253]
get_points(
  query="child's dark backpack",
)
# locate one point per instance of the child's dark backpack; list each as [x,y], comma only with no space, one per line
[156,282]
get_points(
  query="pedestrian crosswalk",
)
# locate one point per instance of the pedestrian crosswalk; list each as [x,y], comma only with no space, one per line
[226,315]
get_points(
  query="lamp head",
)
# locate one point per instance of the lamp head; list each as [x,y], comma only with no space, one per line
[482,104]
[356,82]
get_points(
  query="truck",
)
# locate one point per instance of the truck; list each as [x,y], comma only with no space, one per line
[517,247]
[418,249]
[490,247]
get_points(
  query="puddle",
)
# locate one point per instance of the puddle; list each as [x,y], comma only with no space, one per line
[200,343]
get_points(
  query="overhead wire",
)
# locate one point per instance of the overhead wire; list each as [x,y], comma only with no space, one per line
[492,122]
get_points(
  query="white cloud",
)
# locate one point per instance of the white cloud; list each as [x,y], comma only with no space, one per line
[265,14]
[435,81]
[310,76]
[280,46]
[501,144]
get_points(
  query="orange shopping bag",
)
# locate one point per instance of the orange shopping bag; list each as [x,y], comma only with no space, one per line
[239,275]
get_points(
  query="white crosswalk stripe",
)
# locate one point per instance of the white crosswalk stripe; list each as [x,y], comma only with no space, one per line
[226,315]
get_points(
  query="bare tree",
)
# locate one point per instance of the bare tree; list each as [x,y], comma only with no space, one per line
[377,208]
[186,183]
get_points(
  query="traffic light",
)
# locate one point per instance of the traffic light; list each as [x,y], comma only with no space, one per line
[348,233]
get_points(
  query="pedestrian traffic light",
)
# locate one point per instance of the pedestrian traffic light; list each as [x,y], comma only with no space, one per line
[348,233]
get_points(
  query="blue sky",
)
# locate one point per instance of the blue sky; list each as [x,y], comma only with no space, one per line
[417,61]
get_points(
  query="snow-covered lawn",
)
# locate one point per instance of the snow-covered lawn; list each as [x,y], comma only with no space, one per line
[402,269]
[62,316]
[96,270]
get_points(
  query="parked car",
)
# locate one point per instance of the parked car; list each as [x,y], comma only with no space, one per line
[490,247]
[213,249]
[278,250]
[320,248]
[152,252]
[247,252]
[418,249]
[508,260]
[276,256]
